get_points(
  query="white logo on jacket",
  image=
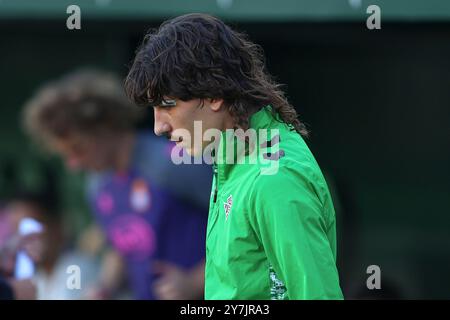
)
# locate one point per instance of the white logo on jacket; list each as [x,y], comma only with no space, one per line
[227,206]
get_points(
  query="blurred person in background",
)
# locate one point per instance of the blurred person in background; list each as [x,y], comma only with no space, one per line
[12,212]
[152,211]
[51,250]
[11,288]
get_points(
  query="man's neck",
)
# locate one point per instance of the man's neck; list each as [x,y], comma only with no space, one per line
[231,123]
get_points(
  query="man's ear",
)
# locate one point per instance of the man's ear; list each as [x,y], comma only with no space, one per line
[215,104]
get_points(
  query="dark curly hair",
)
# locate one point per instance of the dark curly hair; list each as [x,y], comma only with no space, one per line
[199,56]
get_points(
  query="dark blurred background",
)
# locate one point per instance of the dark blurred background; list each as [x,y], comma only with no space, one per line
[377,103]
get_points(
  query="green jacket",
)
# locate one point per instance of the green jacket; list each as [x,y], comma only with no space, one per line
[271,229]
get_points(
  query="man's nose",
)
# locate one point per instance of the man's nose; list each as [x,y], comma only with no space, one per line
[162,126]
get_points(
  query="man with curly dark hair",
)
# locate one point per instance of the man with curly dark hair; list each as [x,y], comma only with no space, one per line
[271,231]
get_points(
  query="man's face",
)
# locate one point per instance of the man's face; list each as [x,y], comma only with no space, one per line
[177,122]
[82,152]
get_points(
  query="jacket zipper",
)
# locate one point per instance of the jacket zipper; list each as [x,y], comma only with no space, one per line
[215,185]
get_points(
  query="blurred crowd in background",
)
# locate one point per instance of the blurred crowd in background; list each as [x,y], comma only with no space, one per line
[79,159]
[147,237]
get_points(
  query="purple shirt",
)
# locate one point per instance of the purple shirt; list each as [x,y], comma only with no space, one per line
[146,220]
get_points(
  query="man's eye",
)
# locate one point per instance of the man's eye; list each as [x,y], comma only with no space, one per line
[168,103]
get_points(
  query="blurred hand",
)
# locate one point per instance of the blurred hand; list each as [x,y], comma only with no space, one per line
[23,289]
[174,283]
[97,293]
[32,244]
[111,277]
[8,255]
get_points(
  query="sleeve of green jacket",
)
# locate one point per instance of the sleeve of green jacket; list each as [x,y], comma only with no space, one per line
[292,224]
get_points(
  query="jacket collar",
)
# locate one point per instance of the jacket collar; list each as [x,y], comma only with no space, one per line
[225,160]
